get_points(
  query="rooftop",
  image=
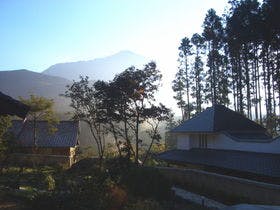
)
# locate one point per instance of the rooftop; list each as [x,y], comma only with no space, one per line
[10,106]
[219,118]
[250,162]
[65,136]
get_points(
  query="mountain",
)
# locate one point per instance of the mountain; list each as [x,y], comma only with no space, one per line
[23,83]
[100,68]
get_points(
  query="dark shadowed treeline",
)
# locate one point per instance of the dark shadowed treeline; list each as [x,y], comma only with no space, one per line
[235,61]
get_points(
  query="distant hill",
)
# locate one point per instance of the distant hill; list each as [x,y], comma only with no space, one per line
[100,68]
[23,83]
[52,82]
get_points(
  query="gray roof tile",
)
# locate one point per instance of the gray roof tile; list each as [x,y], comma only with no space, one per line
[65,136]
[216,119]
[257,163]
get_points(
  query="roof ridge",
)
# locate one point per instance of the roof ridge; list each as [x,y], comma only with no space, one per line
[46,121]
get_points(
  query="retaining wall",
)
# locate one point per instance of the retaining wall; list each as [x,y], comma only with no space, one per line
[41,159]
[226,189]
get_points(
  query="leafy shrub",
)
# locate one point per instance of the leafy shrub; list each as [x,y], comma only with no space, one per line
[90,193]
[144,205]
[90,189]
[147,183]
[50,182]
[112,186]
[117,168]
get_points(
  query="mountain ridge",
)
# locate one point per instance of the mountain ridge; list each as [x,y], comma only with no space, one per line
[99,68]
[24,82]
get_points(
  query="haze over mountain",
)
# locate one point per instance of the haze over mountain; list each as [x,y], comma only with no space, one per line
[52,82]
[100,68]
[23,83]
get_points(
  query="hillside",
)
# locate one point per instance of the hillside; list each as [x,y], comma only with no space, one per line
[100,68]
[23,83]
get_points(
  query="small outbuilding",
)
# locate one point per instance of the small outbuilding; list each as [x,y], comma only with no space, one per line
[51,148]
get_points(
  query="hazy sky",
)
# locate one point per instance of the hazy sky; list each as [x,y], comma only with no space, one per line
[36,34]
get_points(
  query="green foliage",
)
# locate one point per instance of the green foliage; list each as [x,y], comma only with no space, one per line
[119,184]
[120,107]
[182,82]
[41,109]
[41,178]
[49,180]
[145,205]
[235,62]
[132,105]
[84,187]
[146,182]
[90,193]
[85,104]
[86,152]
[7,140]
[5,123]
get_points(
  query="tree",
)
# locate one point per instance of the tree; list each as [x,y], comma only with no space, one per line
[217,83]
[252,35]
[5,123]
[185,51]
[40,109]
[243,59]
[128,103]
[85,104]
[179,88]
[197,73]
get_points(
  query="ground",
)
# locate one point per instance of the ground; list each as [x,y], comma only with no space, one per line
[31,188]
[10,204]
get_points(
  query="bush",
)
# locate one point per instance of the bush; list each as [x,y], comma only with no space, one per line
[147,183]
[90,193]
[89,189]
[118,183]
[118,167]
[144,205]
[50,182]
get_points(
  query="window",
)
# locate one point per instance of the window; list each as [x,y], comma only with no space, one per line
[202,140]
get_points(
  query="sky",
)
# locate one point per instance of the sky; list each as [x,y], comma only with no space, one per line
[36,34]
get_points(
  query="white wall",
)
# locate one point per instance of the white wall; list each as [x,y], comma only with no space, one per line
[194,140]
[222,141]
[183,142]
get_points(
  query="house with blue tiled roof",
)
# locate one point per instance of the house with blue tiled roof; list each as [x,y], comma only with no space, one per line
[222,138]
[49,148]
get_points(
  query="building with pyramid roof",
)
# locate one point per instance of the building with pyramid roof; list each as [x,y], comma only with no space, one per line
[222,138]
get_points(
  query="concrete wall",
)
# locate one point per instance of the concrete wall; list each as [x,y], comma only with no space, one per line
[222,141]
[66,151]
[225,189]
[41,159]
